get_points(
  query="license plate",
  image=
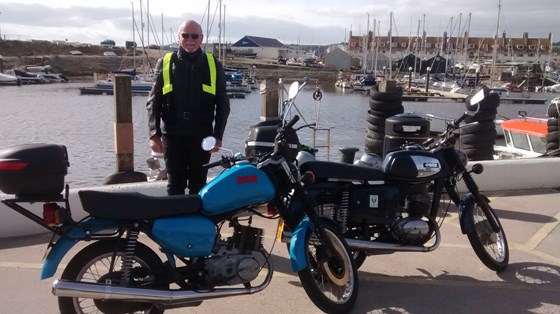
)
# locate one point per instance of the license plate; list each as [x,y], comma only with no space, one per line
[280,229]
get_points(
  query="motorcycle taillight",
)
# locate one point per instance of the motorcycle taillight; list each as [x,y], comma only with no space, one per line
[51,214]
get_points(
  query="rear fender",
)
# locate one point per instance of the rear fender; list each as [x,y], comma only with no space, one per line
[79,232]
[466,210]
[298,257]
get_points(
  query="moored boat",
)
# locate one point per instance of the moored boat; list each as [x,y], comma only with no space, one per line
[524,137]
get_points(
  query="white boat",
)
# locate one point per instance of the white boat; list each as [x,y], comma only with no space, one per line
[438,124]
[47,72]
[6,79]
[26,78]
[525,137]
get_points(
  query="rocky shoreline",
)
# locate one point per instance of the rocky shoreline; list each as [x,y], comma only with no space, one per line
[17,54]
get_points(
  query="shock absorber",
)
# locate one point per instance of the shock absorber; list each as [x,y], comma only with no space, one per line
[127,260]
[343,212]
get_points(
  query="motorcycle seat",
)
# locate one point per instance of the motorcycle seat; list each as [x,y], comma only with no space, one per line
[335,170]
[137,206]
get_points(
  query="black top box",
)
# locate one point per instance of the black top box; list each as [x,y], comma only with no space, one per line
[33,169]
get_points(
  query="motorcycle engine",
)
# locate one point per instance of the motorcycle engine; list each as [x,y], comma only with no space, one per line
[411,230]
[231,269]
[233,262]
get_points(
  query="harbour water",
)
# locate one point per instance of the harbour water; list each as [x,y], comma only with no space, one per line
[56,113]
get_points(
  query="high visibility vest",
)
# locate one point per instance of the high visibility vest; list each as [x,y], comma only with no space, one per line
[168,86]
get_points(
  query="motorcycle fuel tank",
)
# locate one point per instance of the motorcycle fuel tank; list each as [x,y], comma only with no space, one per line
[411,165]
[237,187]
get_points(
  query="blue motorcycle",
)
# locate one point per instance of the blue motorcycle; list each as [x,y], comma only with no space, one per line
[118,273]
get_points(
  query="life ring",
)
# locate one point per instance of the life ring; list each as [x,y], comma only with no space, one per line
[317,95]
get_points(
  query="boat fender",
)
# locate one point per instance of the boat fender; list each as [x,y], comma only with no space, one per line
[317,95]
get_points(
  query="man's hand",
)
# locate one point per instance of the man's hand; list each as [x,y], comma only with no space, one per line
[217,146]
[155,144]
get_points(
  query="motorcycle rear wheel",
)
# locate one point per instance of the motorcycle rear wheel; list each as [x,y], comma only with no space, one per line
[490,247]
[92,265]
[332,284]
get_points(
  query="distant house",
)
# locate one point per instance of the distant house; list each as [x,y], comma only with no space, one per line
[338,59]
[258,47]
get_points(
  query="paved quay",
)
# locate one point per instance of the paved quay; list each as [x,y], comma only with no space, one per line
[448,280]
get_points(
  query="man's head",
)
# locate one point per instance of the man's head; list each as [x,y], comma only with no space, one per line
[190,36]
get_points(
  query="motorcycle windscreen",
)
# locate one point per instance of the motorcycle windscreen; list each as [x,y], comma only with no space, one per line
[237,187]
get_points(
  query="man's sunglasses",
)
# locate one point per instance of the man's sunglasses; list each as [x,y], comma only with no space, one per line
[187,35]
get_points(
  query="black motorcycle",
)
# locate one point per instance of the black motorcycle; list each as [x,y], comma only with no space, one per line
[400,204]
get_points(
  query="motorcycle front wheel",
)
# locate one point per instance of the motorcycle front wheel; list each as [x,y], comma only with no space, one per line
[331,283]
[490,247]
[93,264]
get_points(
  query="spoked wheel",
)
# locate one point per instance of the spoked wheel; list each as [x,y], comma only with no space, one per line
[331,283]
[328,210]
[92,265]
[490,247]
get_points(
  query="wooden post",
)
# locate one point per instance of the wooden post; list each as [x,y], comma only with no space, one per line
[387,85]
[123,133]
[269,100]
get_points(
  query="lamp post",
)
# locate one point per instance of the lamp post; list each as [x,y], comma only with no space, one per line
[428,69]
[477,77]
[409,78]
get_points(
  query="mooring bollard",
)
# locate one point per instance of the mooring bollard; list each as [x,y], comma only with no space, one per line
[123,129]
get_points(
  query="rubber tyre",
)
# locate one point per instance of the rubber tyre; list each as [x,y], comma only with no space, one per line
[95,253]
[485,242]
[552,121]
[481,116]
[374,135]
[375,128]
[374,146]
[553,111]
[314,277]
[552,128]
[478,137]
[552,137]
[551,145]
[376,120]
[477,127]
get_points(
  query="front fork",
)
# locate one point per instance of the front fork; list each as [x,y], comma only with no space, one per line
[467,203]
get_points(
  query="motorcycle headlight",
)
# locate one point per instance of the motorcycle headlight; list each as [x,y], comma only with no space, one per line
[462,157]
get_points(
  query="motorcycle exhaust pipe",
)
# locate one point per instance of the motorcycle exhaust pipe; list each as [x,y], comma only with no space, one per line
[73,289]
[371,246]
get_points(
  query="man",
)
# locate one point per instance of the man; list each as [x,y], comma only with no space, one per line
[188,102]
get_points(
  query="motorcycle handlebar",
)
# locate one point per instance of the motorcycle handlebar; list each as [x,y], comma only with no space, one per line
[291,122]
[212,164]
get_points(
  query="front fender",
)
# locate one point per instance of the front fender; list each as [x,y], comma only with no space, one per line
[77,233]
[298,256]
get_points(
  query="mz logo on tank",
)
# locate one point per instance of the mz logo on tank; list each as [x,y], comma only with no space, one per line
[246,179]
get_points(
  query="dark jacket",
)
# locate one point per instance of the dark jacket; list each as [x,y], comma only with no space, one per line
[188,110]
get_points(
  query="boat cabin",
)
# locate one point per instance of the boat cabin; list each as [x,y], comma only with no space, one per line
[524,137]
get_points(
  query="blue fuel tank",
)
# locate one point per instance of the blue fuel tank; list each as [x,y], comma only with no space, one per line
[237,187]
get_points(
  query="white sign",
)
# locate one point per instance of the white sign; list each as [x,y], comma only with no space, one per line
[373,201]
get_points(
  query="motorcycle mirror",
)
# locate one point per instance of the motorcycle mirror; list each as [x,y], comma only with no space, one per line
[474,102]
[208,143]
[294,88]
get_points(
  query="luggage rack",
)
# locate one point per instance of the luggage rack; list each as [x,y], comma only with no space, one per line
[54,217]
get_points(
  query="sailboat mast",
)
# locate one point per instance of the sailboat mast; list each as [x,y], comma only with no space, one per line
[148,20]
[495,46]
[133,39]
[220,34]
[207,26]
[391,45]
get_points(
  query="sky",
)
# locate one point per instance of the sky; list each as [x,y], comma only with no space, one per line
[313,22]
